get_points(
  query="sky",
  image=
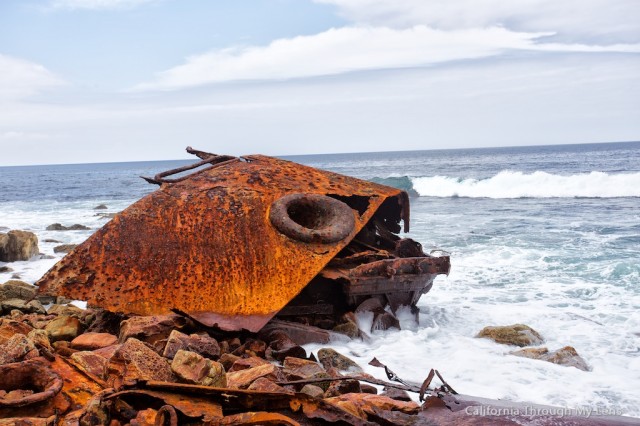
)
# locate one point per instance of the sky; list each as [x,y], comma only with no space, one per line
[85,81]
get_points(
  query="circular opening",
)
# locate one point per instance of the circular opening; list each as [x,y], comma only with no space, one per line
[312,218]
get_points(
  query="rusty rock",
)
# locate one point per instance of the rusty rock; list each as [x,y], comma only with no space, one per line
[302,369]
[227,360]
[15,349]
[371,403]
[263,384]
[92,341]
[145,417]
[151,329]
[33,375]
[137,361]
[202,344]
[91,363]
[194,368]
[245,363]
[516,334]
[64,328]
[242,379]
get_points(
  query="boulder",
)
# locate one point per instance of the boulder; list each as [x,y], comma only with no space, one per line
[16,289]
[18,245]
[204,345]
[64,328]
[566,356]
[516,335]
[193,368]
[92,341]
[64,248]
[331,358]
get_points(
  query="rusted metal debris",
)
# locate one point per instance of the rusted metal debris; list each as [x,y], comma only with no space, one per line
[243,239]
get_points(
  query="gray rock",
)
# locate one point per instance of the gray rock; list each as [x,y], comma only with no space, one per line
[100,207]
[60,227]
[18,245]
[64,248]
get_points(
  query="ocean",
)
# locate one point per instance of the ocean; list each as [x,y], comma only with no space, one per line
[547,236]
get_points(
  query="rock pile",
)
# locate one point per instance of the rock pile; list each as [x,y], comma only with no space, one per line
[71,366]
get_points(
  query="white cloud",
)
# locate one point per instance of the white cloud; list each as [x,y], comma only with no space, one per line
[20,78]
[573,20]
[97,4]
[349,49]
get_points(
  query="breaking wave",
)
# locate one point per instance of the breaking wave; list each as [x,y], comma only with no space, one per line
[512,184]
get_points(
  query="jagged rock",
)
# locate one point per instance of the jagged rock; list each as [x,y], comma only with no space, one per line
[151,329]
[91,363]
[566,356]
[40,339]
[265,385]
[59,227]
[246,363]
[92,341]
[64,328]
[196,369]
[227,360]
[312,390]
[16,289]
[331,358]
[202,344]
[64,248]
[15,349]
[18,245]
[242,379]
[517,335]
[136,361]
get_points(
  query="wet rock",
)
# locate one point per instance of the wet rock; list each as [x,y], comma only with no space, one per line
[60,227]
[64,328]
[385,321]
[5,269]
[154,330]
[246,363]
[18,245]
[16,289]
[136,361]
[90,362]
[15,349]
[201,344]
[312,390]
[517,335]
[349,326]
[265,385]
[341,387]
[196,369]
[397,394]
[101,207]
[64,248]
[331,358]
[92,341]
[367,388]
[242,379]
[566,356]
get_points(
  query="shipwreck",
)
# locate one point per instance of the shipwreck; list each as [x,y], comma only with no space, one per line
[234,242]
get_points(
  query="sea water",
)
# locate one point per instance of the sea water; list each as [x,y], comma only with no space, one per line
[546,236]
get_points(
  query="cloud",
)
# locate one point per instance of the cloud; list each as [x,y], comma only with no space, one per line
[97,4]
[20,78]
[356,48]
[610,21]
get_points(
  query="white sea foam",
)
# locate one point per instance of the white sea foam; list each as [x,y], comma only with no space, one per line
[514,184]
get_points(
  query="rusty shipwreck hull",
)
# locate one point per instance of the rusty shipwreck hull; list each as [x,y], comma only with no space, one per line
[236,241]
